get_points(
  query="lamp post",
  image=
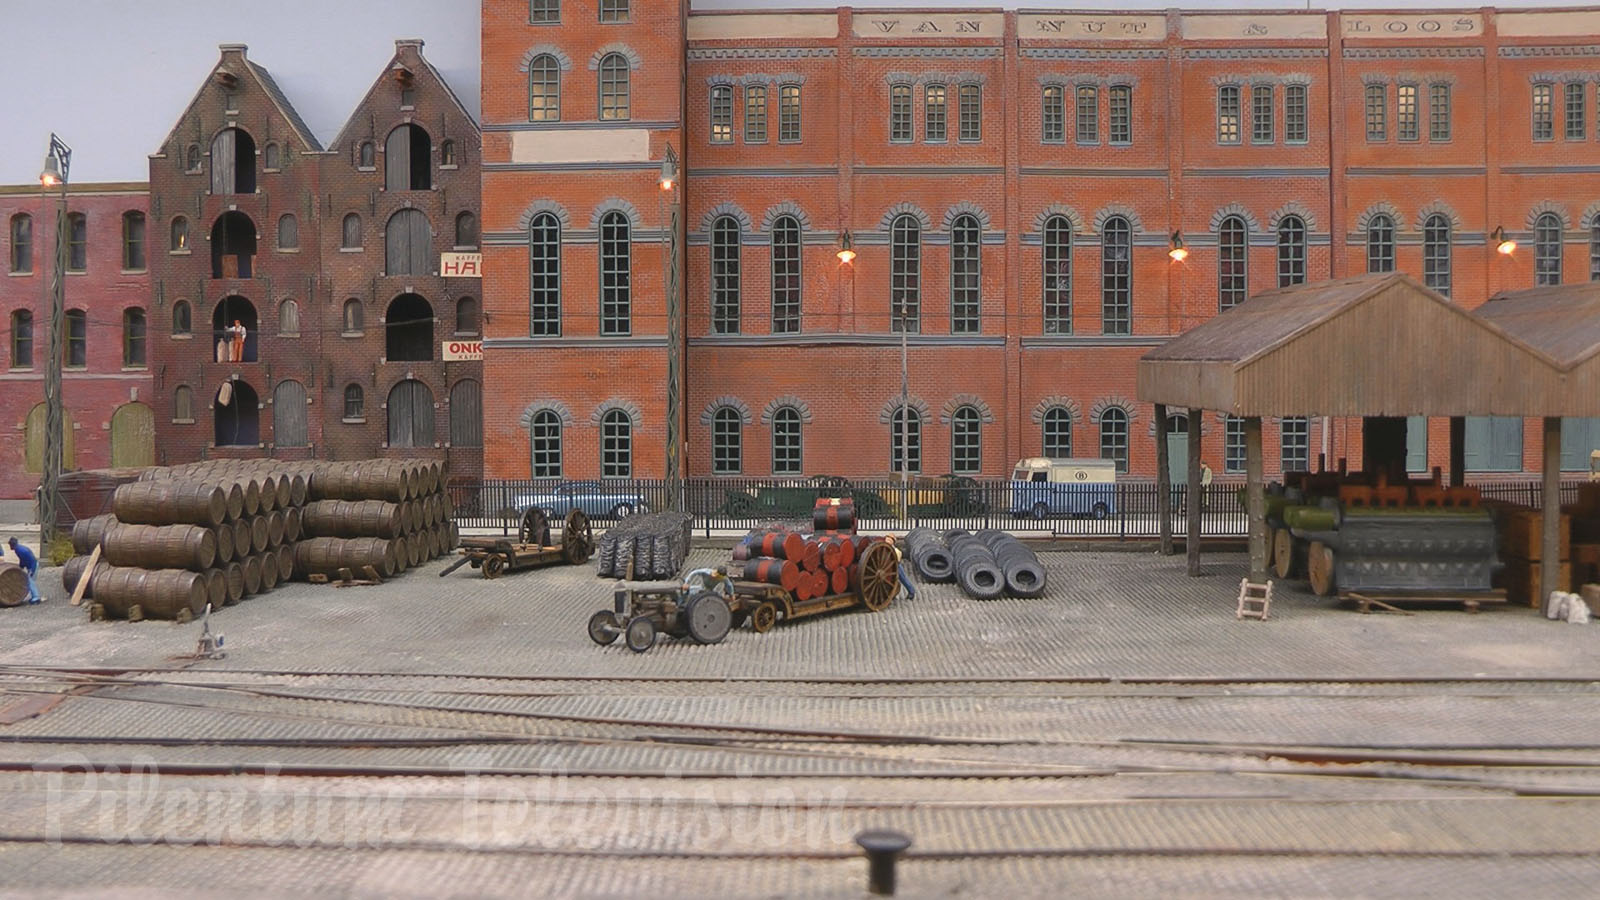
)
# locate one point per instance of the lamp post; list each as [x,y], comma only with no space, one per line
[57,164]
[669,180]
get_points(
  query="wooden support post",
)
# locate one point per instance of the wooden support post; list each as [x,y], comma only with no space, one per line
[1458,451]
[1551,549]
[1255,499]
[1163,480]
[1191,541]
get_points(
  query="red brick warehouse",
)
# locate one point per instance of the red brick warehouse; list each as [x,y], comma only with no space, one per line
[1013,182]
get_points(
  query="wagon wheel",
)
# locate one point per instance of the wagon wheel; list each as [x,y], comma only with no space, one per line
[764,617]
[577,540]
[1319,563]
[535,528]
[879,576]
[603,627]
[494,566]
[1282,552]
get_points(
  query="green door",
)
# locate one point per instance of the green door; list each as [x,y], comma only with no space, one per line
[1178,449]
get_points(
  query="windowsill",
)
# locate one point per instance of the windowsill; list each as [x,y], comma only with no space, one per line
[19,274]
[77,271]
[75,368]
[20,369]
[270,171]
[135,271]
[194,171]
[789,140]
[1087,143]
[465,334]
[447,167]
[352,334]
[288,249]
[465,248]
[750,143]
[351,249]
[289,334]
[349,421]
[180,252]
[1296,143]
[1119,143]
[230,112]
[940,141]
[545,22]
[183,337]
[366,168]
[135,368]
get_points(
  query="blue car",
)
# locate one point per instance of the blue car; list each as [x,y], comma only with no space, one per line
[597,499]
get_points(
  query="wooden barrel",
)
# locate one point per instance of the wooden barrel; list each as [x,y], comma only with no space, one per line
[269,492]
[328,555]
[86,533]
[252,575]
[275,527]
[291,524]
[402,554]
[14,584]
[252,496]
[241,538]
[73,571]
[352,519]
[285,562]
[431,540]
[234,574]
[170,503]
[377,479]
[217,588]
[299,490]
[414,523]
[260,536]
[235,494]
[269,570]
[224,534]
[447,507]
[159,593]
[454,540]
[161,547]
[418,546]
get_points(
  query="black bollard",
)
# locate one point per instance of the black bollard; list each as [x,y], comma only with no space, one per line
[883,850]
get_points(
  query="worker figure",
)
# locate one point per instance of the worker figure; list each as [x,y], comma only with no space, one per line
[30,567]
[237,332]
[900,569]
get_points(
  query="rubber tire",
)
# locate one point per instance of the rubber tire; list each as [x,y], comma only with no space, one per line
[1100,511]
[598,627]
[640,635]
[621,511]
[717,622]
[1040,511]
[982,581]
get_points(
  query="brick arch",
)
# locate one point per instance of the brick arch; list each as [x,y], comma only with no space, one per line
[786,208]
[1293,208]
[627,52]
[900,209]
[789,400]
[886,413]
[959,400]
[1441,208]
[1073,217]
[539,207]
[966,208]
[1234,209]
[1074,413]
[725,209]
[1550,206]
[1105,403]
[1205,426]
[1591,214]
[563,61]
[628,408]
[618,204]
[1381,208]
[733,403]
[563,413]
[1117,209]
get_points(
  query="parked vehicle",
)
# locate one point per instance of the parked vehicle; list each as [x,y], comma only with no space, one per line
[1042,487]
[597,499]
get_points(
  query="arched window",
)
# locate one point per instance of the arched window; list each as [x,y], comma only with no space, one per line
[192,159]
[233,246]
[22,243]
[408,159]
[466,414]
[755,114]
[236,416]
[721,108]
[1057,240]
[75,350]
[727,442]
[410,414]
[133,338]
[544,276]
[1436,253]
[786,275]
[289,318]
[182,318]
[230,311]
[271,158]
[725,234]
[21,339]
[466,230]
[788,448]
[614,89]
[1291,251]
[616,268]
[965,274]
[966,441]
[905,274]
[288,233]
[355,403]
[350,232]
[447,154]
[133,255]
[1233,261]
[179,235]
[1594,250]
[289,428]
[183,405]
[77,242]
[408,329]
[1547,249]
[544,444]
[367,155]
[1056,433]
[905,440]
[1116,276]
[544,89]
[1114,437]
[467,316]
[1380,244]
[354,317]
[233,162]
[616,445]
[408,244]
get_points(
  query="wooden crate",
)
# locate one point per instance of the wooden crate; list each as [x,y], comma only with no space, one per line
[1522,580]
[1521,532]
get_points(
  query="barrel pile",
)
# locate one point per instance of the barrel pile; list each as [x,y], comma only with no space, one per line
[807,565]
[220,531]
[653,545]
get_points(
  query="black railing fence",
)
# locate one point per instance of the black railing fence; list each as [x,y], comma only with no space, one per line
[1127,508]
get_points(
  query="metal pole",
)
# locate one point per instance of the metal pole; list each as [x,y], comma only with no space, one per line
[674,359]
[49,484]
[905,423]
[1550,515]
[1163,480]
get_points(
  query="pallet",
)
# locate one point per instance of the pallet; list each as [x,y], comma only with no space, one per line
[1388,601]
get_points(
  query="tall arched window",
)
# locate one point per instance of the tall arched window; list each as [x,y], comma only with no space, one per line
[966,441]
[354,319]
[965,274]
[786,275]
[1114,436]
[1116,276]
[288,233]
[289,318]
[77,242]
[467,316]
[787,444]
[367,155]
[905,441]
[466,230]
[22,243]
[727,442]
[725,235]
[289,427]
[233,162]
[447,154]
[21,339]
[544,445]
[233,246]
[614,88]
[466,413]
[1291,251]
[408,244]
[191,159]
[905,279]
[544,276]
[544,89]
[1594,250]
[1056,433]
[616,274]
[1380,244]
[183,405]
[408,159]
[408,329]
[76,347]
[616,445]
[350,232]
[1547,249]
[179,235]
[1233,262]
[1436,253]
[355,403]
[133,255]
[721,111]
[182,318]
[1057,239]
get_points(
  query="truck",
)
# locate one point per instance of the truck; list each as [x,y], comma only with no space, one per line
[1042,487]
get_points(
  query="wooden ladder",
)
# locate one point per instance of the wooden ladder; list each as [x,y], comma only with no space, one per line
[1255,600]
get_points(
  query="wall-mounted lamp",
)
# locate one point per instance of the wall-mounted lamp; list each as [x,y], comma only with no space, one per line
[1179,253]
[1504,245]
[669,169]
[847,248]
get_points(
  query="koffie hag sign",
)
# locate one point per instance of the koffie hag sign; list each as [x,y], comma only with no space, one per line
[461,265]
[462,351]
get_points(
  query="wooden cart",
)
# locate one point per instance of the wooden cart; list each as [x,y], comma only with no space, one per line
[876,586]
[530,548]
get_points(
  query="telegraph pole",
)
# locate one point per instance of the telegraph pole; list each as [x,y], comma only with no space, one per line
[669,179]
[57,163]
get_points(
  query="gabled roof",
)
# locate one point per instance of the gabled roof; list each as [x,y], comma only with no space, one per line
[1562,321]
[400,47]
[268,86]
[284,106]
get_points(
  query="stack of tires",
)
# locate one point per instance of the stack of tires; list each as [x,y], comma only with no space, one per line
[653,545]
[930,555]
[991,563]
[1019,565]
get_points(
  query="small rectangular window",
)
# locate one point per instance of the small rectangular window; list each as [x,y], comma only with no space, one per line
[1296,126]
[1088,114]
[544,11]
[1439,112]
[1228,114]
[788,113]
[971,112]
[613,10]
[1577,112]
[1296,431]
[77,243]
[1121,123]
[1544,126]
[755,114]
[1053,115]
[1406,123]
[75,349]
[721,114]
[933,115]
[1262,129]
[1377,112]
[900,113]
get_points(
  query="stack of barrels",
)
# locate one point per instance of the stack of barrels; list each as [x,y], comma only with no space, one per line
[390,515]
[820,563]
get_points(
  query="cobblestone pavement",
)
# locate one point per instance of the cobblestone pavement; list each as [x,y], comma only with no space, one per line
[1123,736]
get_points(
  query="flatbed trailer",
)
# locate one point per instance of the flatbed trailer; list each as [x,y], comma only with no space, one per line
[530,549]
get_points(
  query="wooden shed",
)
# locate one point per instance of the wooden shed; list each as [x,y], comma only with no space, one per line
[1563,323]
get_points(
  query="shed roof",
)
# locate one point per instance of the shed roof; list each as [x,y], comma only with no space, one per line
[1562,321]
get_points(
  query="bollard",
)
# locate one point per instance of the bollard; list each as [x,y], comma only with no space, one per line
[883,849]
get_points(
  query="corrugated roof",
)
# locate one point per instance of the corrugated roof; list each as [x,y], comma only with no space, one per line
[1562,321]
[1270,319]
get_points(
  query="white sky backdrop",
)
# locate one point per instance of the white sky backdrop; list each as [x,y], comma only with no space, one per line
[122,71]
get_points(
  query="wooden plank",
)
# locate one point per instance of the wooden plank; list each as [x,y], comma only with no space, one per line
[83,580]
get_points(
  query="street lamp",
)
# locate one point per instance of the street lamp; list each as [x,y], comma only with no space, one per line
[57,165]
[847,248]
[669,179]
[1502,244]
[1179,253]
